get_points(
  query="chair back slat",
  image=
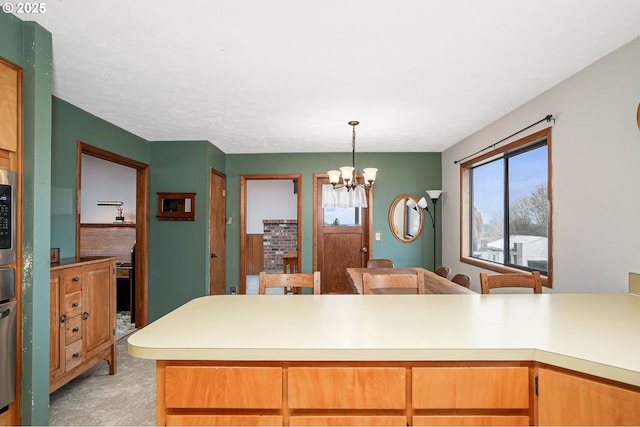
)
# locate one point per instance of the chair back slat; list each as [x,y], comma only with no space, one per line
[532,281]
[393,283]
[443,271]
[380,263]
[289,281]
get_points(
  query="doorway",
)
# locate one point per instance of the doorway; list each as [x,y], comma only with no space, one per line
[341,237]
[267,206]
[217,233]
[139,255]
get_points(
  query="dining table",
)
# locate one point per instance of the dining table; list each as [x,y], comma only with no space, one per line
[433,283]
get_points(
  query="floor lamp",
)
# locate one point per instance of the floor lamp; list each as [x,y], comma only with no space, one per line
[434,195]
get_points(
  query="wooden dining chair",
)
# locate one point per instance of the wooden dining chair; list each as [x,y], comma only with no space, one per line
[289,282]
[394,283]
[532,281]
[462,280]
[443,271]
[380,263]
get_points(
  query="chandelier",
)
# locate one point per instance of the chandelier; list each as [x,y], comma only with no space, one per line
[349,173]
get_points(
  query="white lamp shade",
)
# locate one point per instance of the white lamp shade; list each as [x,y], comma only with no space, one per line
[334,176]
[369,175]
[347,173]
[422,202]
[411,203]
[434,194]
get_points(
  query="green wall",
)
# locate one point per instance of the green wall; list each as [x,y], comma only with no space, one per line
[70,126]
[29,46]
[398,173]
[179,250]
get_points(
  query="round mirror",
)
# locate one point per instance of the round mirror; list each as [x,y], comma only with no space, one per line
[405,222]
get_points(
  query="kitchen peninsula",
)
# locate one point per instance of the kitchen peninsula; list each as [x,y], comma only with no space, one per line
[397,360]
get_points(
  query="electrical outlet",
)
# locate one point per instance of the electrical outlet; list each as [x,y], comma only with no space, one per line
[377,235]
[233,290]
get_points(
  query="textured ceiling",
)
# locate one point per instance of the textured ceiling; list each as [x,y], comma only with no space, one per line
[271,76]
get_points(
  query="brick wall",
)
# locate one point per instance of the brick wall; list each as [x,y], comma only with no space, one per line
[280,236]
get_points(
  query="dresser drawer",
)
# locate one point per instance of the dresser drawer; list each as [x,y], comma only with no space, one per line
[347,388]
[73,355]
[72,279]
[223,387]
[471,388]
[73,304]
[346,420]
[224,420]
[73,329]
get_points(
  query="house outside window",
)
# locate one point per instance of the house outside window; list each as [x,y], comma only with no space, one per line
[506,207]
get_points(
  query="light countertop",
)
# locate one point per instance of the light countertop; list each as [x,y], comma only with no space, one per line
[597,334]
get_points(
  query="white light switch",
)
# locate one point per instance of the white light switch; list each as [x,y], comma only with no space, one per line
[377,235]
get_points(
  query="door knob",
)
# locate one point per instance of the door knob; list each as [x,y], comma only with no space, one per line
[365,250]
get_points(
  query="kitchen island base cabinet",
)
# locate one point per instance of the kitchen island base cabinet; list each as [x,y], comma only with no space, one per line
[565,398]
[341,393]
[82,318]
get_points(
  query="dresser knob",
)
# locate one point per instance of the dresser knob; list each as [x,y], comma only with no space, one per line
[76,279]
[75,304]
[76,355]
[76,329]
[85,315]
[63,318]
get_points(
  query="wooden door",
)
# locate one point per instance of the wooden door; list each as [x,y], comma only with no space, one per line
[217,230]
[341,240]
[98,293]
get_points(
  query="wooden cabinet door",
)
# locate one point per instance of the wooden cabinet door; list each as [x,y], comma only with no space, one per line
[56,344]
[565,399]
[98,282]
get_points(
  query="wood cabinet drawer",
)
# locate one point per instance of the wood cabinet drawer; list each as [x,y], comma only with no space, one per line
[223,387]
[73,304]
[73,329]
[471,420]
[73,355]
[470,388]
[347,388]
[72,279]
[358,420]
[224,420]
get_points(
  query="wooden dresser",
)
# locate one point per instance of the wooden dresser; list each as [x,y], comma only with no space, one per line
[83,317]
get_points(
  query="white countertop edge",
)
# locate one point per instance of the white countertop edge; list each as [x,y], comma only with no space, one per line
[397,355]
[331,355]
[588,367]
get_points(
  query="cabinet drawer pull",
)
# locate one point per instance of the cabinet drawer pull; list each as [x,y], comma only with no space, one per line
[85,315]
[63,318]
[76,279]
[76,329]
[76,355]
[75,304]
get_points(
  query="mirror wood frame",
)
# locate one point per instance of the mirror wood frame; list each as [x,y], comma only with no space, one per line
[401,200]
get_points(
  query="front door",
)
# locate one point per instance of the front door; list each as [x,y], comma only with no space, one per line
[342,240]
[217,234]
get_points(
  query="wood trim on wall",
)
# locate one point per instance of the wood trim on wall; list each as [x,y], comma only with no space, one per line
[243,219]
[142,224]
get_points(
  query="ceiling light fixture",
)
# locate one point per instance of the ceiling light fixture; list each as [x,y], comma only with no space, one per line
[349,173]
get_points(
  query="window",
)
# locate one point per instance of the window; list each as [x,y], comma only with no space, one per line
[342,217]
[506,207]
